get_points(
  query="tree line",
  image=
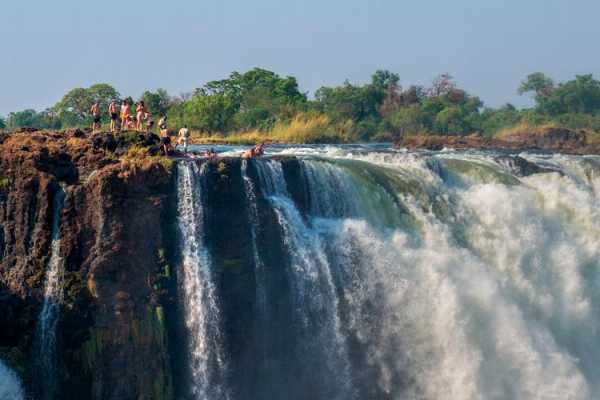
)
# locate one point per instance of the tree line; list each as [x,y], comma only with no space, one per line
[382,109]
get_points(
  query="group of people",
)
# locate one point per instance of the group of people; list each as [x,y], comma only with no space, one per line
[143,122]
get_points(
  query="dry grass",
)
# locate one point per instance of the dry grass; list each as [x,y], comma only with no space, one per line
[139,157]
[302,129]
[524,128]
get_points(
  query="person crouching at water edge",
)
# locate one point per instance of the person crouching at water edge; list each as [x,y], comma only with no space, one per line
[95,111]
[184,138]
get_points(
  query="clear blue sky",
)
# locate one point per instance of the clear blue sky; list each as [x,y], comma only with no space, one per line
[49,47]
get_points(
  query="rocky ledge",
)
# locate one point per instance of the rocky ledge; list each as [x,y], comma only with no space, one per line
[115,243]
[546,139]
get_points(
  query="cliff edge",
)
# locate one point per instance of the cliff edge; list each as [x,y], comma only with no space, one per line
[114,247]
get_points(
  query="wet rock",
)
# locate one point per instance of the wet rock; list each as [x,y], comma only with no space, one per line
[113,341]
[521,167]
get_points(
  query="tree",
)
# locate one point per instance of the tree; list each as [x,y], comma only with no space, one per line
[259,96]
[441,85]
[384,80]
[408,120]
[581,95]
[2,123]
[75,105]
[209,113]
[46,119]
[157,102]
[350,102]
[538,83]
[493,120]
[103,93]
[23,119]
[77,101]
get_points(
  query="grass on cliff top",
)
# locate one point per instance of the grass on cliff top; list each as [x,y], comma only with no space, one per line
[525,128]
[140,157]
[302,129]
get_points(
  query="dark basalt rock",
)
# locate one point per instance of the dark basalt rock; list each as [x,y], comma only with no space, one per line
[521,167]
[112,328]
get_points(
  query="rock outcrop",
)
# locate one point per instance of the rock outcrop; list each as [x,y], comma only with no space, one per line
[115,242]
[545,139]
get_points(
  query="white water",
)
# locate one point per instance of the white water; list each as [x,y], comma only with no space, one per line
[45,339]
[510,314]
[452,277]
[250,192]
[200,307]
[10,387]
[313,292]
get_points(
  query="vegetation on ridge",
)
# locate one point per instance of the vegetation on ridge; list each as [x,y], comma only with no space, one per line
[260,105]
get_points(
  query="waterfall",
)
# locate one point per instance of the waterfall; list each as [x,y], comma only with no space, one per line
[45,335]
[314,295]
[10,387]
[420,276]
[199,302]
[250,192]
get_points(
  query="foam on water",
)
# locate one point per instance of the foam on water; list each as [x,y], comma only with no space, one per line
[202,316]
[438,276]
[10,387]
[46,330]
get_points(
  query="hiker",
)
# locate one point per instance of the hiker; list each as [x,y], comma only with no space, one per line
[95,110]
[125,111]
[140,113]
[165,140]
[112,111]
[184,138]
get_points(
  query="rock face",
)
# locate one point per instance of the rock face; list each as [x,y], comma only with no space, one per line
[547,139]
[521,167]
[116,244]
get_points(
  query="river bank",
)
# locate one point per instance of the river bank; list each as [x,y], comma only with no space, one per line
[550,139]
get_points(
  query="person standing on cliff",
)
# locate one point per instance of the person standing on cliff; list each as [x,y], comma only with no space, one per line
[184,138]
[112,111]
[124,115]
[95,111]
[140,115]
[165,140]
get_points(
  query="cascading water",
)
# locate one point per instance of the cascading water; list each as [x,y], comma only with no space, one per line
[424,276]
[314,297]
[10,387]
[199,302]
[45,335]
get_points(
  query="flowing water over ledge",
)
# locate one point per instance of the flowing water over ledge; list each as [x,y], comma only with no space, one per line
[46,331]
[384,274]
